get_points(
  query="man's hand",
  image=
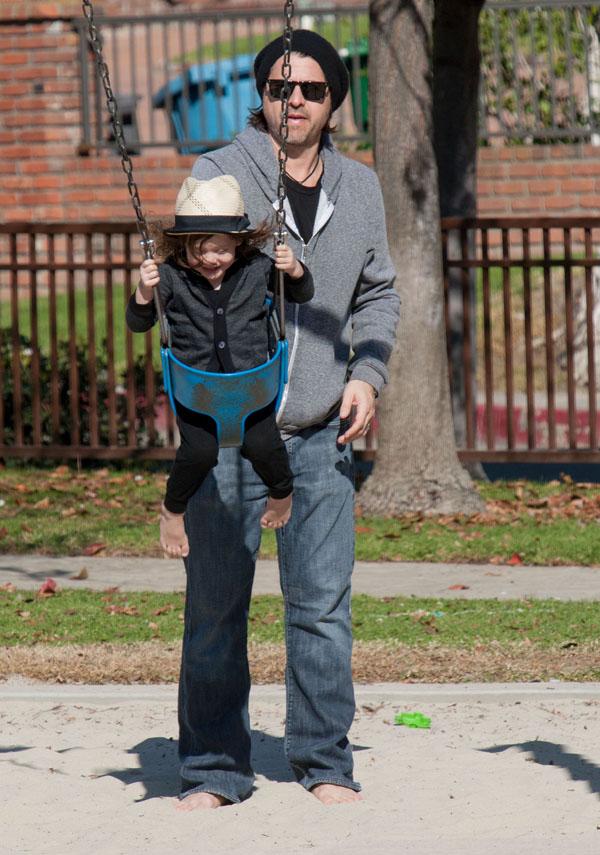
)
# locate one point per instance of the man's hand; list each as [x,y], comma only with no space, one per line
[359,397]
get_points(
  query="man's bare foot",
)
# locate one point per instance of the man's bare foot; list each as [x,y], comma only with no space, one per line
[201,801]
[333,794]
[277,512]
[173,538]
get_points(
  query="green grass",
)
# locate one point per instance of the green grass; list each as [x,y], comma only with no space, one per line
[88,617]
[343,34]
[562,542]
[62,511]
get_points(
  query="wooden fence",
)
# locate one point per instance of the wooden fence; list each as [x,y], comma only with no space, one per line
[522,314]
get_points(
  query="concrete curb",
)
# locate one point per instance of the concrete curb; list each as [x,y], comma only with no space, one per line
[488,693]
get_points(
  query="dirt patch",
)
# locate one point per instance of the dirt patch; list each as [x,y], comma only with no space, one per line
[157,662]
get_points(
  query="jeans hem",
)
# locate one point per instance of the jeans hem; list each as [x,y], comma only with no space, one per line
[215,791]
[342,782]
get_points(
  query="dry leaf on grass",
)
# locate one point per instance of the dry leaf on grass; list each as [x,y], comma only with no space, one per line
[93,548]
[47,588]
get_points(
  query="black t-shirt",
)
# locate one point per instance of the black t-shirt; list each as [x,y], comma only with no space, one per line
[303,202]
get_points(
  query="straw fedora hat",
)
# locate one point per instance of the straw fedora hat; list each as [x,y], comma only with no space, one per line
[209,207]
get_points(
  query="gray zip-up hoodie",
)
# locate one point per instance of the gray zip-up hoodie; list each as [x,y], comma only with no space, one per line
[355,307]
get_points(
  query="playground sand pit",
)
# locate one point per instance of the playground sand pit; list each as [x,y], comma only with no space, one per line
[502,769]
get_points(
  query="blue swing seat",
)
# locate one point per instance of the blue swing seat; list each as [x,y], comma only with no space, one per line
[227,398]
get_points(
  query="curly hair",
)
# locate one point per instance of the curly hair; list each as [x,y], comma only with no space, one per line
[174,247]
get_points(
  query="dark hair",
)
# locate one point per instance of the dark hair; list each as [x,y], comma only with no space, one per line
[256,119]
[173,247]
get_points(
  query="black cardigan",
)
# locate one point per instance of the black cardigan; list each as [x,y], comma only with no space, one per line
[224,330]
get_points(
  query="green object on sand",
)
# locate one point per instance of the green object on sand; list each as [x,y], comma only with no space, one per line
[412,719]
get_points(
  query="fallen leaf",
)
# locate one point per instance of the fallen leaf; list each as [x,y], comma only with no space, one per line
[8,586]
[122,610]
[537,503]
[43,504]
[21,488]
[458,587]
[47,588]
[515,559]
[69,512]
[23,614]
[93,548]
[3,532]
[163,609]
[362,529]
[60,472]
[83,574]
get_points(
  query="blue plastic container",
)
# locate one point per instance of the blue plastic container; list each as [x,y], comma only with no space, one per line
[210,102]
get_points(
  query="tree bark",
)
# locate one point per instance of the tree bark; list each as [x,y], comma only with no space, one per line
[417,467]
[456,62]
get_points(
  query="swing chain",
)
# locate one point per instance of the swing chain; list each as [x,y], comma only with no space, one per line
[286,70]
[113,108]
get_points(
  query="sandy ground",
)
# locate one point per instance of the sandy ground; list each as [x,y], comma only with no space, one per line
[504,769]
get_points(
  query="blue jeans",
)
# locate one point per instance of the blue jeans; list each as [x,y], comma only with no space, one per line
[316,555]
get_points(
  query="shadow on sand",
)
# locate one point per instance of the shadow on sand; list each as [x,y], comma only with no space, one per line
[552,754]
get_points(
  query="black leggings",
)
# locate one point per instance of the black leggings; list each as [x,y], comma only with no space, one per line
[198,454]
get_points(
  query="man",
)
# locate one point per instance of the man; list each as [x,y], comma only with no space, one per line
[339,344]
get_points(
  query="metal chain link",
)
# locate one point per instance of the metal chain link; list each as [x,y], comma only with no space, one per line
[283,127]
[126,164]
[286,71]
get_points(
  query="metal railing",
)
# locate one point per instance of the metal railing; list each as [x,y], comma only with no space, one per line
[540,71]
[76,383]
[185,80]
[531,385]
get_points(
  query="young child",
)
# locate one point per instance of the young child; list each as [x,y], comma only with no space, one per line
[213,281]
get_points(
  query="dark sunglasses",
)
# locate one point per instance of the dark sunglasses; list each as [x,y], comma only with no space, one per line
[311,90]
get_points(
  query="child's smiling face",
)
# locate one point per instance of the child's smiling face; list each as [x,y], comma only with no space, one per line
[212,256]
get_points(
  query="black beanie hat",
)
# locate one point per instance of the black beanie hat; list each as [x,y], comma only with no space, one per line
[313,45]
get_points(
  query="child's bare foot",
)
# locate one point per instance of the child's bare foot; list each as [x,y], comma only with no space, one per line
[173,538]
[333,794]
[201,801]
[277,512]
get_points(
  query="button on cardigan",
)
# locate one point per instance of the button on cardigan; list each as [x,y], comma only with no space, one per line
[224,330]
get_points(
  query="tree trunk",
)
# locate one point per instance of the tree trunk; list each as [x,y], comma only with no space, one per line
[417,467]
[456,63]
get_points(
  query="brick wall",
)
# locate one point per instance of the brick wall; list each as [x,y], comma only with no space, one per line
[539,180]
